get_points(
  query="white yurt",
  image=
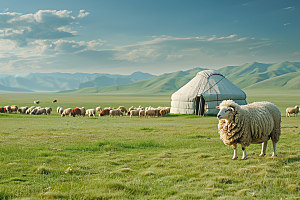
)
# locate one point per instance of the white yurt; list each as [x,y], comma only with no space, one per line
[204,92]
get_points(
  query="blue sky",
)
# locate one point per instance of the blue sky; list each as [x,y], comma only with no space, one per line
[155,36]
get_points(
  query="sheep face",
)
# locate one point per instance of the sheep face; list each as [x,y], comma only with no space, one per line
[225,113]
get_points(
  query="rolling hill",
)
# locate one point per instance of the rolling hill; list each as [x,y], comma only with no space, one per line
[254,75]
[163,84]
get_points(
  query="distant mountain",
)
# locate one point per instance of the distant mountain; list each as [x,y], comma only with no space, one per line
[11,89]
[102,81]
[163,84]
[48,82]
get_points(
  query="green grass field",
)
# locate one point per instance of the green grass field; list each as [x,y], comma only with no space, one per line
[173,157]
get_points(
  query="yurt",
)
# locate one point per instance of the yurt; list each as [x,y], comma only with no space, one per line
[204,92]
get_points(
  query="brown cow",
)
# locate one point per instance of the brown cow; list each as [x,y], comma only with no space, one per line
[104,112]
[75,111]
[3,110]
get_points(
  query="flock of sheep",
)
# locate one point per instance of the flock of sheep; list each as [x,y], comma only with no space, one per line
[112,112]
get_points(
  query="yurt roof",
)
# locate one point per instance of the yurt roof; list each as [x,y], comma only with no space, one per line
[210,84]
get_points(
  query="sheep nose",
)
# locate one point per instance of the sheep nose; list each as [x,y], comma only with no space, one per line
[218,116]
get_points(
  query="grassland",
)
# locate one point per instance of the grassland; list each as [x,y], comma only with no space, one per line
[174,157]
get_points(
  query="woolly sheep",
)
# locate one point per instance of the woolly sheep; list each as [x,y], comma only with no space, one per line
[40,111]
[134,113]
[115,112]
[14,108]
[28,111]
[66,112]
[33,111]
[98,109]
[48,110]
[142,113]
[22,110]
[123,109]
[36,102]
[82,111]
[104,112]
[294,110]
[150,113]
[8,109]
[90,112]
[253,123]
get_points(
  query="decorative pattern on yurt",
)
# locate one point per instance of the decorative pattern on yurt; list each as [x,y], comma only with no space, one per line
[204,92]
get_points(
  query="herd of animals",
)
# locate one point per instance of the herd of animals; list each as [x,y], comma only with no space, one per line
[112,112]
[238,124]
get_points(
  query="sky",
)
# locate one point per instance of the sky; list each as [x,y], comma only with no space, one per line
[153,36]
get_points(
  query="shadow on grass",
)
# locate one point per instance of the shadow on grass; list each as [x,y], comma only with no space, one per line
[291,160]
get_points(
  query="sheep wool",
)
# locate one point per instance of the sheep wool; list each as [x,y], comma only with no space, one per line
[253,123]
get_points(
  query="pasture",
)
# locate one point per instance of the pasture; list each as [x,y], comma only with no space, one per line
[172,157]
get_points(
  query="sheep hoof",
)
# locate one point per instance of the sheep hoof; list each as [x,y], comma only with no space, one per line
[262,155]
[234,158]
[245,158]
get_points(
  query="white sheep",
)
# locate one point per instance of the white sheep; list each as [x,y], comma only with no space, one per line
[28,111]
[115,112]
[23,109]
[48,110]
[90,112]
[8,109]
[66,112]
[142,113]
[82,111]
[253,123]
[98,109]
[40,111]
[14,108]
[294,110]
[134,113]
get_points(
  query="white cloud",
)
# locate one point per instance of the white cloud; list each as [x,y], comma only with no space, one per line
[289,8]
[286,24]
[82,14]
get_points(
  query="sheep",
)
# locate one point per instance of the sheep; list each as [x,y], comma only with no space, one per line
[123,109]
[150,113]
[134,113]
[98,109]
[33,111]
[294,110]
[104,112]
[75,111]
[82,111]
[66,112]
[61,110]
[90,112]
[36,102]
[14,108]
[142,113]
[8,109]
[249,124]
[40,111]
[115,112]
[2,110]
[22,110]
[29,110]
[54,101]
[57,109]
[48,110]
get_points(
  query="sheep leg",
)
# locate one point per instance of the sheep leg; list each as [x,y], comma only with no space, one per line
[274,149]
[244,157]
[234,152]
[264,149]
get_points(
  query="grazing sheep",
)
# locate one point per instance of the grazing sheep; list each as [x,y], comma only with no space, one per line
[48,110]
[66,112]
[75,111]
[40,111]
[134,113]
[28,111]
[98,109]
[115,112]
[14,108]
[22,110]
[142,113]
[249,124]
[54,101]
[57,109]
[164,112]
[33,111]
[123,109]
[150,113]
[82,111]
[3,110]
[104,112]
[90,112]
[61,110]
[294,110]
[36,102]
[8,109]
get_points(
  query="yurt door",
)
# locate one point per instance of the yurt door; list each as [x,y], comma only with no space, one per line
[200,106]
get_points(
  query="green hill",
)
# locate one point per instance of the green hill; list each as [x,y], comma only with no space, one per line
[164,84]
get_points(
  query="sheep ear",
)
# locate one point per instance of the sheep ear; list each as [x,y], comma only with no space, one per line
[218,107]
